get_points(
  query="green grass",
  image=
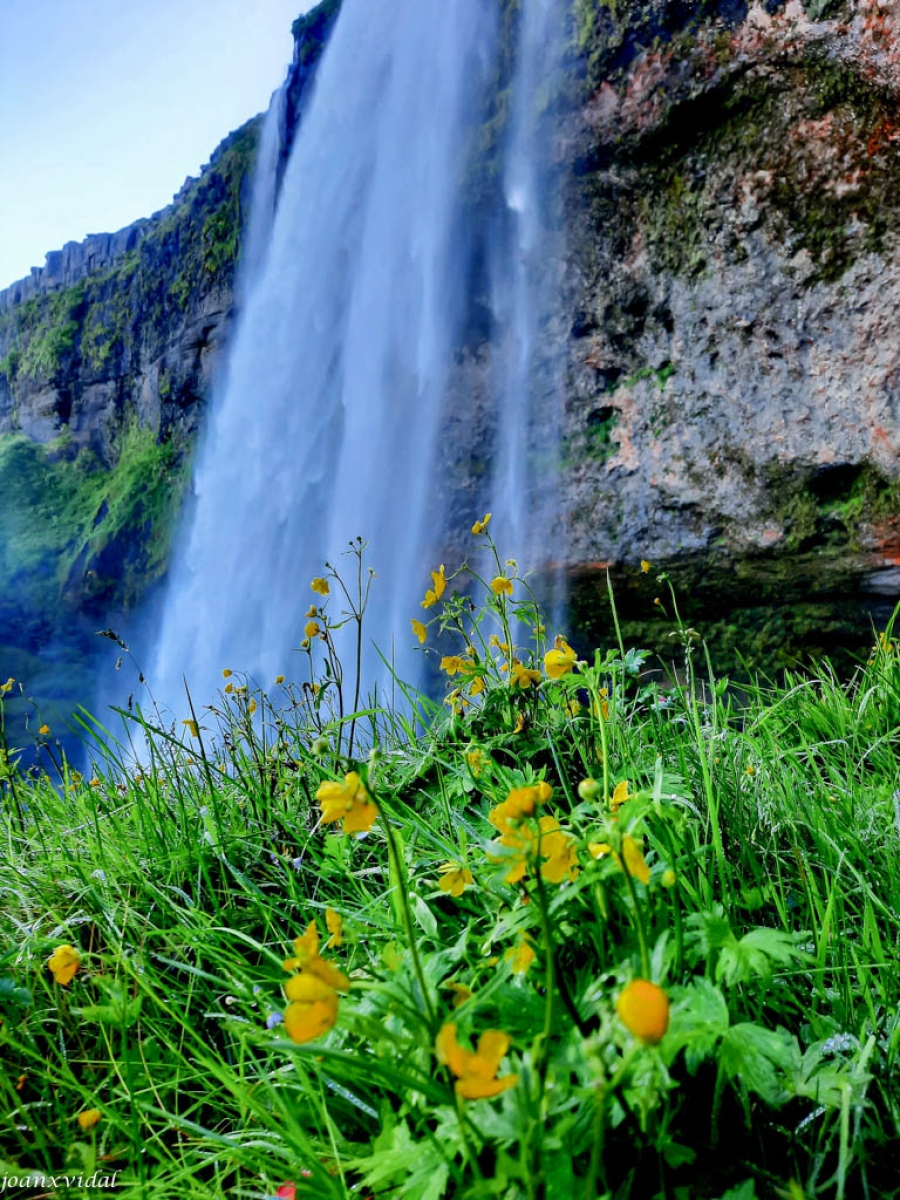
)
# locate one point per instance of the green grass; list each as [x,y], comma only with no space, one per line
[760,891]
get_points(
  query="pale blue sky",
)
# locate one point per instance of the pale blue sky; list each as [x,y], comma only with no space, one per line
[107,105]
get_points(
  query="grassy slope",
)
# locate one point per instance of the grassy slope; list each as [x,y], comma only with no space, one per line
[182,885]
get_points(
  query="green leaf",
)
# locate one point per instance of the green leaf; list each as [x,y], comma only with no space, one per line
[414,1168]
[743,1191]
[756,955]
[758,1060]
[9,991]
[698,1018]
[425,918]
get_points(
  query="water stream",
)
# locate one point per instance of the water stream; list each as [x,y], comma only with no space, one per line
[326,426]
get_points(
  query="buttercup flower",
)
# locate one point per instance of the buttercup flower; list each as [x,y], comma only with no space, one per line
[461,993]
[475,761]
[523,677]
[643,1009]
[44,731]
[475,1072]
[311,629]
[89,1118]
[313,992]
[64,962]
[320,586]
[481,526]
[599,849]
[501,586]
[520,957]
[313,1008]
[519,803]
[523,847]
[335,928]
[560,660]
[645,566]
[620,795]
[439,585]
[419,630]
[455,878]
[633,858]
[348,802]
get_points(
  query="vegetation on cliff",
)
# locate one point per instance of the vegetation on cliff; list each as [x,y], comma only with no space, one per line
[579,935]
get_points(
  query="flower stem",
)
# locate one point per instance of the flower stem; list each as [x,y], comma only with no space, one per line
[401,885]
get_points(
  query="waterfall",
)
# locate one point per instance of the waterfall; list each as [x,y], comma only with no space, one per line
[524,263]
[327,423]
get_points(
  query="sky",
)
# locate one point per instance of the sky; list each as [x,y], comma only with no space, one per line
[106,106]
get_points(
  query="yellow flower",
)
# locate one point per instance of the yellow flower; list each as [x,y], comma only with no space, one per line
[312,611]
[522,847]
[348,802]
[455,878]
[452,664]
[312,629]
[558,851]
[313,993]
[599,849]
[435,592]
[481,526]
[523,677]
[461,993]
[502,646]
[475,761]
[320,586]
[475,1071]
[419,630]
[335,928]
[251,707]
[89,1118]
[632,860]
[501,586]
[520,957]
[229,688]
[8,686]
[643,1009]
[313,1008]
[645,566]
[519,803]
[307,960]
[520,723]
[620,795]
[64,962]
[226,673]
[44,730]
[560,660]
[279,679]
[192,727]
[476,687]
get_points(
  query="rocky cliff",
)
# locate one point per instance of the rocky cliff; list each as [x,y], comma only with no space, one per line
[107,356]
[733,409]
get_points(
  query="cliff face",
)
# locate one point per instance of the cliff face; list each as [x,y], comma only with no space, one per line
[733,409]
[107,356]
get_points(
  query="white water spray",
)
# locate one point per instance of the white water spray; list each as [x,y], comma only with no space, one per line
[326,426]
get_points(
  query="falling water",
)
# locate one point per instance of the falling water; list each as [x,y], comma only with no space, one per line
[326,427]
[525,258]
